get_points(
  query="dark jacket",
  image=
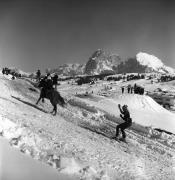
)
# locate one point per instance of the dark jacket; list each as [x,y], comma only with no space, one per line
[55,79]
[125,115]
[49,84]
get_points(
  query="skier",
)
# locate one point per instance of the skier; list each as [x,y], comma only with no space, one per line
[125,115]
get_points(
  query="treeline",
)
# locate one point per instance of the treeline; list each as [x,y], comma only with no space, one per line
[126,77]
[90,79]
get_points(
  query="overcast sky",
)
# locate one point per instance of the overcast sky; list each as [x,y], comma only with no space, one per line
[40,34]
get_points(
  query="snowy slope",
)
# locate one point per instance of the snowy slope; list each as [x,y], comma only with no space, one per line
[154,63]
[80,136]
[144,110]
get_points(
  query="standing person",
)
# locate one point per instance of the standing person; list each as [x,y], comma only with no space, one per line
[38,75]
[55,81]
[125,115]
[123,89]
[135,88]
[129,88]
[3,71]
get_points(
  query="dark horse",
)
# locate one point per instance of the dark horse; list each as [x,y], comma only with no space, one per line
[53,95]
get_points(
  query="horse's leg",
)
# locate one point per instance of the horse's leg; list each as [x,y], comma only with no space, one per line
[52,110]
[38,100]
[55,109]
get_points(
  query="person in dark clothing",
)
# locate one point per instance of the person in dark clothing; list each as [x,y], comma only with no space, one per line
[3,71]
[125,115]
[38,75]
[55,81]
[129,88]
[43,84]
[49,83]
[123,89]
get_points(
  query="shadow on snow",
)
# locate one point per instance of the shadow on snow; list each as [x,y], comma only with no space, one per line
[30,104]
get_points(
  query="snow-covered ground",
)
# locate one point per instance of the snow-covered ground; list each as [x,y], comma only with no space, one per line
[77,140]
[17,166]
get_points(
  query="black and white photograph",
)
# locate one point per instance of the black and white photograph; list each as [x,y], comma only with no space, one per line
[87,90]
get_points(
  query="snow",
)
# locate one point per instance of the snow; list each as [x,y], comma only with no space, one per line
[149,60]
[17,166]
[77,140]
[144,110]
[153,62]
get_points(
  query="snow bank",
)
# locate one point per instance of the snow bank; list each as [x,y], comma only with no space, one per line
[35,146]
[144,111]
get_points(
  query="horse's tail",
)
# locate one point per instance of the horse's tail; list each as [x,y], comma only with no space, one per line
[61,99]
[58,99]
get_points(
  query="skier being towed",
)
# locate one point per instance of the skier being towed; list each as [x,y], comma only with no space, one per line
[125,115]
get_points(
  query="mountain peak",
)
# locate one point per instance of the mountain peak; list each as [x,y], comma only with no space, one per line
[154,63]
[149,60]
[102,62]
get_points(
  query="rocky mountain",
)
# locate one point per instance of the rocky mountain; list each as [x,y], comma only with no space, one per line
[144,63]
[102,62]
[69,69]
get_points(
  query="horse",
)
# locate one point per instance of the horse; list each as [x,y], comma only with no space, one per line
[51,94]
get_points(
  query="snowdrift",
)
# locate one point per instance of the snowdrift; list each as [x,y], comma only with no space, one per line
[144,110]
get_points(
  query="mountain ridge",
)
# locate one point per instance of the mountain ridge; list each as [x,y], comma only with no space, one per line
[102,62]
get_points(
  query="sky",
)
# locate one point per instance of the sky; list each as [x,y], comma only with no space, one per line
[45,34]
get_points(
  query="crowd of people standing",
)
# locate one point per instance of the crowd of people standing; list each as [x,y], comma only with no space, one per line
[133,89]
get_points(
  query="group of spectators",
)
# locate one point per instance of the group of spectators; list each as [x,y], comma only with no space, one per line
[166,78]
[8,71]
[5,71]
[133,89]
